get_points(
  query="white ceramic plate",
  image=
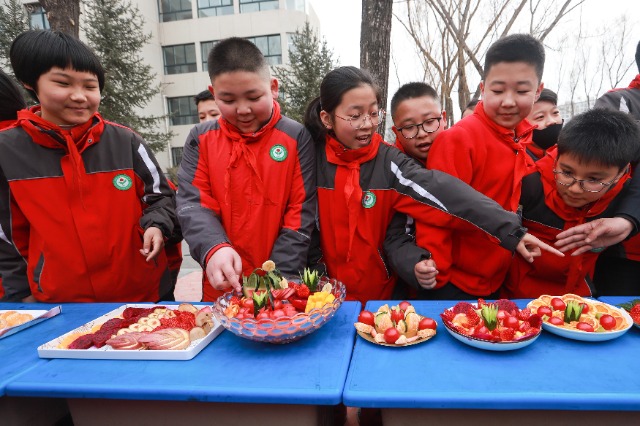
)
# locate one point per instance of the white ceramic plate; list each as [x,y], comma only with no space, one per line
[51,349]
[491,346]
[38,316]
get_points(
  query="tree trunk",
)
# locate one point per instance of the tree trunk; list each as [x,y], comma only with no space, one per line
[375,44]
[63,15]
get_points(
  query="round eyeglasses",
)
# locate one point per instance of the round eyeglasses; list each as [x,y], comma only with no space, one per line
[357,121]
[565,179]
[429,125]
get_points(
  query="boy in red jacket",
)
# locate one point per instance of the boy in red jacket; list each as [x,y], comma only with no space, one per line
[485,150]
[582,181]
[84,207]
[247,182]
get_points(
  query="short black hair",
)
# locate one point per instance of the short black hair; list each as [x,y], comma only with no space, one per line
[548,95]
[205,95]
[35,52]
[516,48]
[412,91]
[11,100]
[638,56]
[472,104]
[602,136]
[236,54]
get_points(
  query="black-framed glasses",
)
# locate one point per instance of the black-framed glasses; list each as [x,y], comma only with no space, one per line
[429,125]
[357,121]
[565,179]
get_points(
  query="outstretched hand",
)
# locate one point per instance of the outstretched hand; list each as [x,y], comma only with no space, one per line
[599,233]
[531,247]
[224,269]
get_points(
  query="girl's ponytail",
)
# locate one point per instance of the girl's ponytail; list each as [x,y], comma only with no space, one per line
[313,123]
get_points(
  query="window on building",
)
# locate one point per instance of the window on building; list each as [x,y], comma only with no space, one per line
[176,156]
[174,10]
[37,17]
[182,111]
[205,48]
[214,8]
[299,5]
[179,59]
[248,6]
[270,47]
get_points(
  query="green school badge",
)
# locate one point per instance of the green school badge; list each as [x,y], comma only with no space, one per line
[122,182]
[278,152]
[368,199]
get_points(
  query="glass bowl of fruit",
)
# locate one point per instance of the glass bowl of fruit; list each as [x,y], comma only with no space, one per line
[273,309]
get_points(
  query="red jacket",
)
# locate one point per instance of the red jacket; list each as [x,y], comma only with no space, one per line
[255,192]
[73,207]
[4,125]
[492,160]
[354,216]
[546,215]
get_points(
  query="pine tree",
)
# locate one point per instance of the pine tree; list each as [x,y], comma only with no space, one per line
[114,31]
[310,60]
[13,21]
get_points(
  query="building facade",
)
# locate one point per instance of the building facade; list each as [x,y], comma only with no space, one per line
[183,32]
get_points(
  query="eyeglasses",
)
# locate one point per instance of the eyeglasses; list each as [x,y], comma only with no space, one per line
[357,121]
[565,179]
[429,125]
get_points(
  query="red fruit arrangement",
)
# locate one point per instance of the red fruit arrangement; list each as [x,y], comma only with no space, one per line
[498,322]
[396,326]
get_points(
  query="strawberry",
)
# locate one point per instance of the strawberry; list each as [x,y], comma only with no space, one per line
[506,334]
[234,300]
[447,315]
[635,313]
[524,314]
[462,307]
[302,291]
[507,305]
[473,318]
[481,302]
[535,321]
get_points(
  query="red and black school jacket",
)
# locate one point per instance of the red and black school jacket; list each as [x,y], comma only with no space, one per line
[491,159]
[392,182]
[255,192]
[545,215]
[72,214]
[4,125]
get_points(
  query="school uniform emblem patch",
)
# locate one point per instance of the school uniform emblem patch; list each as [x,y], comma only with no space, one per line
[278,153]
[122,182]
[368,199]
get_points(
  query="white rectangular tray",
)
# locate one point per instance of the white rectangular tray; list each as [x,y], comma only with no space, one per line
[51,350]
[38,316]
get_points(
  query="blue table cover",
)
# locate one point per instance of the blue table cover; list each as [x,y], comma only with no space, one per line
[552,373]
[230,369]
[18,351]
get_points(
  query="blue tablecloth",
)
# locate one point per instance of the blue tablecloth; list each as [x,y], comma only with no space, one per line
[18,352]
[552,373]
[230,369]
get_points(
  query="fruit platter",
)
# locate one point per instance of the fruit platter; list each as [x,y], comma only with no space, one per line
[579,318]
[497,326]
[14,320]
[633,308]
[274,309]
[396,326]
[149,332]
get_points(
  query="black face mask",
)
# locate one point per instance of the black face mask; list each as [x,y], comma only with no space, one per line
[548,136]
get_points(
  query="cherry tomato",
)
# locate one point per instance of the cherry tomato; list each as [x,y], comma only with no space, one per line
[544,310]
[277,304]
[558,304]
[501,314]
[585,308]
[404,305]
[276,313]
[391,335]
[512,322]
[247,303]
[367,317]
[397,315]
[556,321]
[427,323]
[584,327]
[607,322]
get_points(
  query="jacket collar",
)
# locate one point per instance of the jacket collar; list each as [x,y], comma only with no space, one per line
[522,130]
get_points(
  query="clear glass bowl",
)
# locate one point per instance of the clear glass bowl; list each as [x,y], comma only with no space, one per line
[285,329]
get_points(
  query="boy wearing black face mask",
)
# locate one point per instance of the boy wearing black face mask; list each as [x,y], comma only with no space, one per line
[546,115]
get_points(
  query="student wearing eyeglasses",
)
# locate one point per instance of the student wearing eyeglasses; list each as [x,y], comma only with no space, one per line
[583,180]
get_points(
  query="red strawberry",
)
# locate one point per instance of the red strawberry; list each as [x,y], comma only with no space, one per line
[535,320]
[524,314]
[481,302]
[635,313]
[234,300]
[303,291]
[524,326]
[462,307]
[507,305]
[507,334]
[447,315]
[473,318]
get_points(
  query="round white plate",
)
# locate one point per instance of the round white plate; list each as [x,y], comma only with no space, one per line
[491,346]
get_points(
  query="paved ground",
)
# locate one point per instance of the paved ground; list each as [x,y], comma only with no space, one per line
[189,286]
